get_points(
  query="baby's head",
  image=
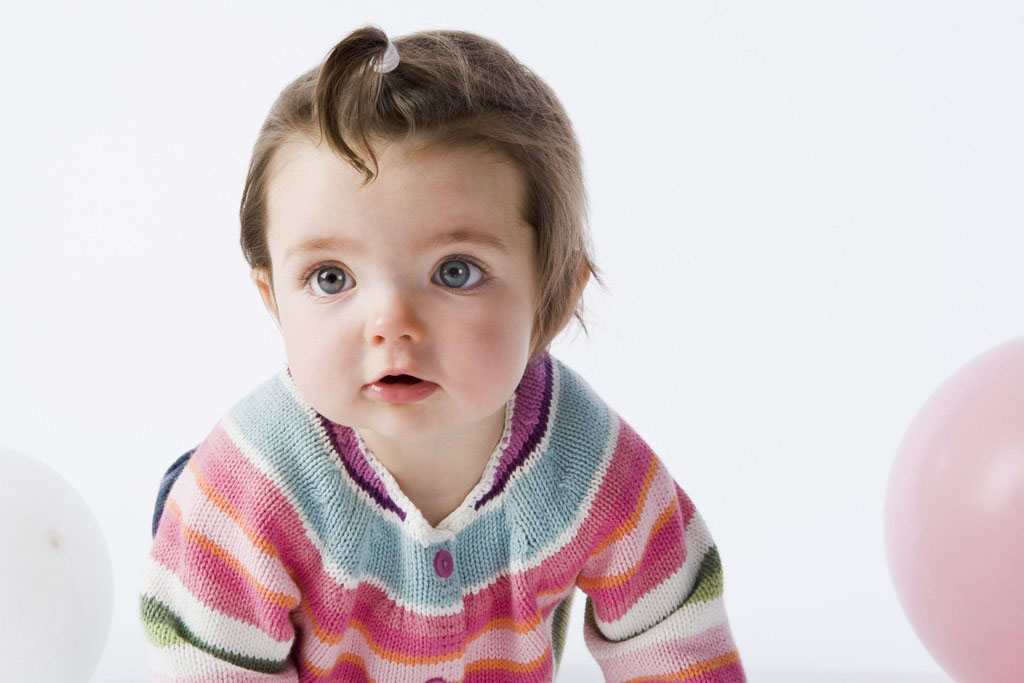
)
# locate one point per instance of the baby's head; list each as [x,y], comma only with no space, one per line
[460,256]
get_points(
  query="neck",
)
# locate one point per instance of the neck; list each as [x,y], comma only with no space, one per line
[459,456]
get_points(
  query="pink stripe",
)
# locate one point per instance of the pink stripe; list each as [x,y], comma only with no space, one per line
[412,636]
[659,497]
[522,648]
[208,520]
[408,636]
[214,582]
[541,673]
[664,556]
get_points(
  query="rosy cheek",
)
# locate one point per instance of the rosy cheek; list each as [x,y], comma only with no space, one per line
[493,338]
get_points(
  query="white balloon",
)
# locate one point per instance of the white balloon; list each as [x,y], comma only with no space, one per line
[56,578]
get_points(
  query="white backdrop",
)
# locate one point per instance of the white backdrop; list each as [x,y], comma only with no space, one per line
[809,214]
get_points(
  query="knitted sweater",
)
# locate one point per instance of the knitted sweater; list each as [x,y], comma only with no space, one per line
[285,551]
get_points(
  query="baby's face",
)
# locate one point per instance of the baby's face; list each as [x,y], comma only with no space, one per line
[363,280]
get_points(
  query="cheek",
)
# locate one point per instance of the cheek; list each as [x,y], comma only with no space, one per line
[499,340]
[494,346]
[501,331]
[318,366]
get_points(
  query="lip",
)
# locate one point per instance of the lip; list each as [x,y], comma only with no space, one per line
[400,393]
[400,371]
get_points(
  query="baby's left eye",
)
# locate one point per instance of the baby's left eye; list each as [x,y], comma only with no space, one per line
[455,272]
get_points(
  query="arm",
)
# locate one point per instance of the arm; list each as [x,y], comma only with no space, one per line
[654,608]
[216,599]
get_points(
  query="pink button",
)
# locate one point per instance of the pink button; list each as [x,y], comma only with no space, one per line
[436,680]
[443,566]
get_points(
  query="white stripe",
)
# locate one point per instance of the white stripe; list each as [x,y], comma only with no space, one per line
[690,620]
[207,624]
[203,516]
[651,607]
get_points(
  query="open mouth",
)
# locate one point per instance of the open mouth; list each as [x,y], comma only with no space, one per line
[399,379]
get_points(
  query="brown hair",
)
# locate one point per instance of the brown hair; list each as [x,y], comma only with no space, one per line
[450,88]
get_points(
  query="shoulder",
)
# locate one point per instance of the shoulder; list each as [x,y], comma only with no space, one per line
[586,433]
[590,473]
[302,480]
[234,471]
[269,472]
[584,441]
[601,459]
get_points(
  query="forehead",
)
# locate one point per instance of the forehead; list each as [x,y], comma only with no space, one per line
[313,193]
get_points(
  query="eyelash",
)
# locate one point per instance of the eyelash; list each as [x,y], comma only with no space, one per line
[304,280]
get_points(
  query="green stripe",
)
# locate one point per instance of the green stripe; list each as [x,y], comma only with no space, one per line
[560,625]
[165,629]
[709,578]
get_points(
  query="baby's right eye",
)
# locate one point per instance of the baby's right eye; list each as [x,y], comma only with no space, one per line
[329,280]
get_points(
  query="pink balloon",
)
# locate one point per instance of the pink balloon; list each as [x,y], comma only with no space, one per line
[954,520]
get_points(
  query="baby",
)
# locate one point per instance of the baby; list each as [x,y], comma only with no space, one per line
[418,492]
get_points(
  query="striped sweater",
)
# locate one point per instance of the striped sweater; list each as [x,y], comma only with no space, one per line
[284,551]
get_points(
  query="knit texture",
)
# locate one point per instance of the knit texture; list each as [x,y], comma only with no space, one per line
[283,550]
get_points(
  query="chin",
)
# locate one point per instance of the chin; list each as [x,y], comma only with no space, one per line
[400,431]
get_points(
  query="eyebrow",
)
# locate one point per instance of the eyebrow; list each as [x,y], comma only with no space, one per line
[440,240]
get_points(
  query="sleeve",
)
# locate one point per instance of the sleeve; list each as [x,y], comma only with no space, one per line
[654,608]
[216,600]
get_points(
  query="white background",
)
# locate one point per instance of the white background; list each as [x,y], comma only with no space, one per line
[809,215]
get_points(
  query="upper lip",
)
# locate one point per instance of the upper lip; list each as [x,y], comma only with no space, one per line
[399,371]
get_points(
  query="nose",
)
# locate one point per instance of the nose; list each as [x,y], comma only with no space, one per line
[394,317]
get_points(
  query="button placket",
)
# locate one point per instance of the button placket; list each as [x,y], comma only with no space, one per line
[444,567]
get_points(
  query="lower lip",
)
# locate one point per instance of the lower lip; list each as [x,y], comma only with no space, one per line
[401,393]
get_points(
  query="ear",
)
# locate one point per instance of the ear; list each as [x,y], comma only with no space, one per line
[261,276]
[577,293]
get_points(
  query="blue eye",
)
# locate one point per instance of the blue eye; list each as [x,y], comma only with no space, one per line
[458,270]
[330,279]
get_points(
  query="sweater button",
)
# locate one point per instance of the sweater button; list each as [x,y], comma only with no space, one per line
[443,566]
[436,680]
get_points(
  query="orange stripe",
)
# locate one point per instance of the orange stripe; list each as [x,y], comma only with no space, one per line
[520,627]
[693,672]
[556,590]
[401,657]
[207,544]
[495,664]
[228,509]
[348,657]
[588,583]
[382,652]
[631,522]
